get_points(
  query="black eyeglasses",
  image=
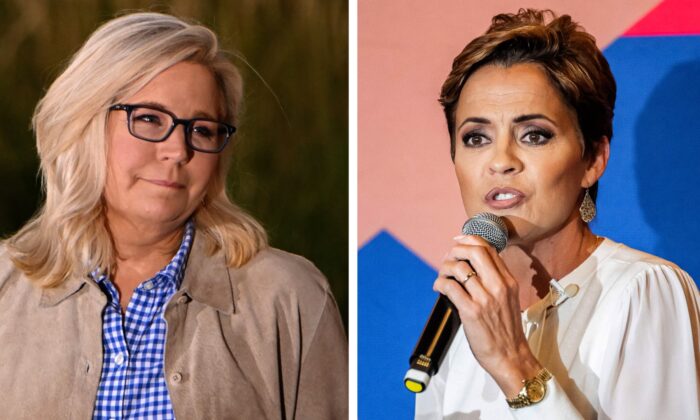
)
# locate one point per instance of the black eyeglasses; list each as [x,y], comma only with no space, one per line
[155,125]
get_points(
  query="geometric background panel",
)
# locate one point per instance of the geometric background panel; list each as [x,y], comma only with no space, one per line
[670,17]
[649,194]
[394,297]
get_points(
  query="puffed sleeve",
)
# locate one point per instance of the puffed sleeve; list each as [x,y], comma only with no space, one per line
[556,404]
[648,352]
[652,363]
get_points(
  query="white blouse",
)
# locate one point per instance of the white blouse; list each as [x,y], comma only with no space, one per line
[626,346]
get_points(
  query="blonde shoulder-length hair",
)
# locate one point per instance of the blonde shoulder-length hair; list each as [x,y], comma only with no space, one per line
[68,236]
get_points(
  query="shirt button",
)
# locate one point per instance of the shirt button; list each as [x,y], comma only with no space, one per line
[148,285]
[176,377]
[119,359]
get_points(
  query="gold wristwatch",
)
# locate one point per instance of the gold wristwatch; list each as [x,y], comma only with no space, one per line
[533,390]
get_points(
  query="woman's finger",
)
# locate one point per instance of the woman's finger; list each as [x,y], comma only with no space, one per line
[460,272]
[495,257]
[456,294]
[455,269]
[482,262]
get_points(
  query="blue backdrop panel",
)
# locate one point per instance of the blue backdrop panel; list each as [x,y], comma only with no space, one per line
[648,199]
[649,195]
[395,297]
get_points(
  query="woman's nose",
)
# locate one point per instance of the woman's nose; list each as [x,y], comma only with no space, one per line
[175,147]
[505,159]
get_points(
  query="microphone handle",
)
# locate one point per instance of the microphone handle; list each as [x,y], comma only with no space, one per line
[444,321]
[437,335]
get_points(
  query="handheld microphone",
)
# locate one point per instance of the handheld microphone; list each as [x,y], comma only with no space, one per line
[444,321]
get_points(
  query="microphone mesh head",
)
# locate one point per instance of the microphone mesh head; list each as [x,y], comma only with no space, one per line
[490,227]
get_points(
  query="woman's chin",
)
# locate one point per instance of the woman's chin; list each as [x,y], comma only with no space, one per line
[154,216]
[522,231]
[169,217]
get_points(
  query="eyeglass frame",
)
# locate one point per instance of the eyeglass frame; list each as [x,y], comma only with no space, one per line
[186,123]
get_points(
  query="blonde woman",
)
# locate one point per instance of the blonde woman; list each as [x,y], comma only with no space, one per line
[139,289]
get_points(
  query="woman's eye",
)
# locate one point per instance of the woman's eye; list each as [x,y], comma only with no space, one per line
[474,140]
[202,131]
[147,118]
[537,137]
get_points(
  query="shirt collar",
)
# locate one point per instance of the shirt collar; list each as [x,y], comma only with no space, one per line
[171,273]
[174,272]
[207,279]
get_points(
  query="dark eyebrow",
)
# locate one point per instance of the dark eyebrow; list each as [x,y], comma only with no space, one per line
[529,117]
[517,120]
[477,120]
[159,106]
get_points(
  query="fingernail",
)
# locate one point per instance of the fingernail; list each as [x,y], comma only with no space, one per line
[458,237]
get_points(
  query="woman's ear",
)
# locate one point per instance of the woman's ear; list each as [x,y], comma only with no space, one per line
[597,162]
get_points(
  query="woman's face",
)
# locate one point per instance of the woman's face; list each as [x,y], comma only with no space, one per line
[518,151]
[162,183]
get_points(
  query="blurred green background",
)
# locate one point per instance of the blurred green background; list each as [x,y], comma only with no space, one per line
[291,162]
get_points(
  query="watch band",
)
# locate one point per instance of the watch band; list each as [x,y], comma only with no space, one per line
[533,390]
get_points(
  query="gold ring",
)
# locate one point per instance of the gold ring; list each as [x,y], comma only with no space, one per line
[469,275]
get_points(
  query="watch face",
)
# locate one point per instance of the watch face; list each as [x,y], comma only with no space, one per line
[535,389]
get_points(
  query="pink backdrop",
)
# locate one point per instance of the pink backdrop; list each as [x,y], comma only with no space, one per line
[406,183]
[409,201]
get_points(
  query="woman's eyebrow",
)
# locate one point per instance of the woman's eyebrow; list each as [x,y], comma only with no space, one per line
[517,120]
[153,104]
[158,105]
[529,117]
[477,120]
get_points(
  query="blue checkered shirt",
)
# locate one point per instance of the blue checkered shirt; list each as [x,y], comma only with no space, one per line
[132,384]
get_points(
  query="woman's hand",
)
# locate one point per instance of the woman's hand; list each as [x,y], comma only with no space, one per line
[489,308]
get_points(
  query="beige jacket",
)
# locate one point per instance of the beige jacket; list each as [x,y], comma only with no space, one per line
[263,341]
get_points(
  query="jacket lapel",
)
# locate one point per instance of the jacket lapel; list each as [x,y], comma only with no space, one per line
[52,296]
[207,280]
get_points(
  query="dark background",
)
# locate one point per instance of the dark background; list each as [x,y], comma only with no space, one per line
[290,168]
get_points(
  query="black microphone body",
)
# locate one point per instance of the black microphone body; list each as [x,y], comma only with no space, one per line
[443,322]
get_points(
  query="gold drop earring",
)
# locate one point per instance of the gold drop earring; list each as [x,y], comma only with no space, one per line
[587,208]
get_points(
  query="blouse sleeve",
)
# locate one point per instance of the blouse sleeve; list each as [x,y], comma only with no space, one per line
[651,362]
[429,402]
[555,405]
[650,365]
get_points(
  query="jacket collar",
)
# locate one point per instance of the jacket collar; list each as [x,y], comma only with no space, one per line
[51,296]
[207,278]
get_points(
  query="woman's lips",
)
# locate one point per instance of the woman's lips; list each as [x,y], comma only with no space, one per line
[504,198]
[165,183]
